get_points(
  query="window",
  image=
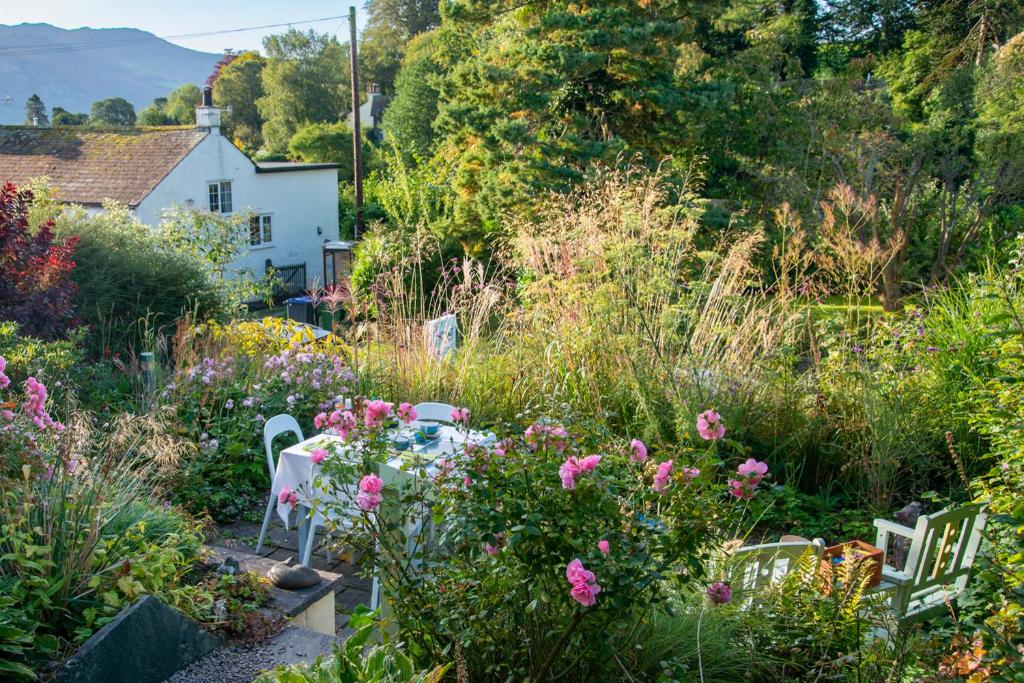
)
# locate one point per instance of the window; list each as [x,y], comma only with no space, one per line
[260,230]
[220,196]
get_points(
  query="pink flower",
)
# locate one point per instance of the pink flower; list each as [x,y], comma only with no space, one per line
[538,435]
[588,463]
[584,587]
[743,488]
[752,469]
[407,413]
[466,481]
[371,483]
[639,451]
[317,455]
[585,593]
[690,472]
[288,496]
[5,381]
[460,415]
[662,476]
[568,471]
[376,412]
[320,421]
[368,501]
[491,550]
[719,593]
[604,546]
[503,447]
[709,426]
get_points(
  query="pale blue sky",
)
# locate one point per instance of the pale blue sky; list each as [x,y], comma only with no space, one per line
[166,18]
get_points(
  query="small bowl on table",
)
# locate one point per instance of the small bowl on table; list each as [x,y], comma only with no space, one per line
[400,443]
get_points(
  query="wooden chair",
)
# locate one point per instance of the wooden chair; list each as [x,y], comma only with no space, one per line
[274,427]
[942,551]
[434,412]
[753,567]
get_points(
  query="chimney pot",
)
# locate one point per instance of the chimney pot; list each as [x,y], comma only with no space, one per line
[207,96]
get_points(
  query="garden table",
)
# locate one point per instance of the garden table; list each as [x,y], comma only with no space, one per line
[297,471]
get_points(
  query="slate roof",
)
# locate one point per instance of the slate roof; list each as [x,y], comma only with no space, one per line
[87,165]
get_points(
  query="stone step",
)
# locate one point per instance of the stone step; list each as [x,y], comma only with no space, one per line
[311,608]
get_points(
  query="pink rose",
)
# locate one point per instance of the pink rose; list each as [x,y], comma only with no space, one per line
[639,451]
[752,469]
[585,593]
[662,476]
[584,587]
[320,420]
[719,593]
[568,471]
[371,483]
[588,463]
[604,546]
[368,501]
[460,415]
[317,455]
[407,413]
[690,472]
[288,496]
[709,426]
[491,550]
[376,412]
[742,488]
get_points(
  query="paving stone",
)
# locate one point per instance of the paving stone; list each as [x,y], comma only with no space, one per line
[146,643]
[347,599]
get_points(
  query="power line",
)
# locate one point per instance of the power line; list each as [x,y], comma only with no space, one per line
[57,48]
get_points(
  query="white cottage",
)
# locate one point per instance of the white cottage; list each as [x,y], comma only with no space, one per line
[294,206]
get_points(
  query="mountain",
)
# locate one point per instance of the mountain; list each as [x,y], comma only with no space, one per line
[74,68]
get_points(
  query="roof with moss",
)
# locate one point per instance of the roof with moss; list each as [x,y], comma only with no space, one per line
[88,165]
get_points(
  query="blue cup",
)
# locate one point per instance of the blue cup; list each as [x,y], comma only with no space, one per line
[431,428]
[400,443]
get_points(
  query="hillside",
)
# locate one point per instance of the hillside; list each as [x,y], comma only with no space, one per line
[70,69]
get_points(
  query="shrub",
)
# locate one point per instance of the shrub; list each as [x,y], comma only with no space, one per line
[575,530]
[133,285]
[81,536]
[228,380]
[36,290]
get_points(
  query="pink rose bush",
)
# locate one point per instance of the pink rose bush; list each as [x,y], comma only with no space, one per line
[573,467]
[317,455]
[584,588]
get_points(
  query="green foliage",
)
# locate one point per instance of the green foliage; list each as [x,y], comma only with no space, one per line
[354,661]
[115,111]
[156,114]
[409,118]
[305,80]
[216,241]
[132,282]
[35,112]
[239,85]
[182,103]
[328,143]
[62,117]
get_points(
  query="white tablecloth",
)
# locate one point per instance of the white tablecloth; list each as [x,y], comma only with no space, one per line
[296,470]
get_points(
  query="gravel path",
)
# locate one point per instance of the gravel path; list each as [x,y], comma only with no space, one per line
[241,664]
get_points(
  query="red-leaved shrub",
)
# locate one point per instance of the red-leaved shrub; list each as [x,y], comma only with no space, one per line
[36,289]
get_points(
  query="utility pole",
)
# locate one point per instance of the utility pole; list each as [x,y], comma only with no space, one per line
[357,142]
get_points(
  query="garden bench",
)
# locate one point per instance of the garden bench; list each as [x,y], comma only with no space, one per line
[753,567]
[943,546]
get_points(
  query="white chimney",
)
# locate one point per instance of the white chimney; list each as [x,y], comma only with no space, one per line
[207,115]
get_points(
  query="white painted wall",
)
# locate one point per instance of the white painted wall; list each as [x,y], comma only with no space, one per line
[299,201]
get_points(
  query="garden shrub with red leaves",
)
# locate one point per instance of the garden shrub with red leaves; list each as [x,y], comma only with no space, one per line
[36,289]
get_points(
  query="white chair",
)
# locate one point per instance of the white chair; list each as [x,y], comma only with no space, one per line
[274,427]
[942,551]
[753,567]
[434,412]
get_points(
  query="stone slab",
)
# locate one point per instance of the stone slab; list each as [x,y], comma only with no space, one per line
[146,643]
[289,603]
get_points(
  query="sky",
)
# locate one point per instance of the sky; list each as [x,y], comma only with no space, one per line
[180,17]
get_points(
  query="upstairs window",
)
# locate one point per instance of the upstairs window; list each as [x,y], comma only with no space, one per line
[220,196]
[260,230]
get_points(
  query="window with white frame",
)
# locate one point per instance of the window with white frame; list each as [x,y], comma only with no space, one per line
[260,230]
[220,196]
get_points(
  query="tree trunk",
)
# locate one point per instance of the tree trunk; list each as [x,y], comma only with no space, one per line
[892,285]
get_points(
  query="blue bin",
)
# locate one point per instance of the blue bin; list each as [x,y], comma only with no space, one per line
[300,309]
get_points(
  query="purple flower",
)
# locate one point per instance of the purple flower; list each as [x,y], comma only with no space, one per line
[719,593]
